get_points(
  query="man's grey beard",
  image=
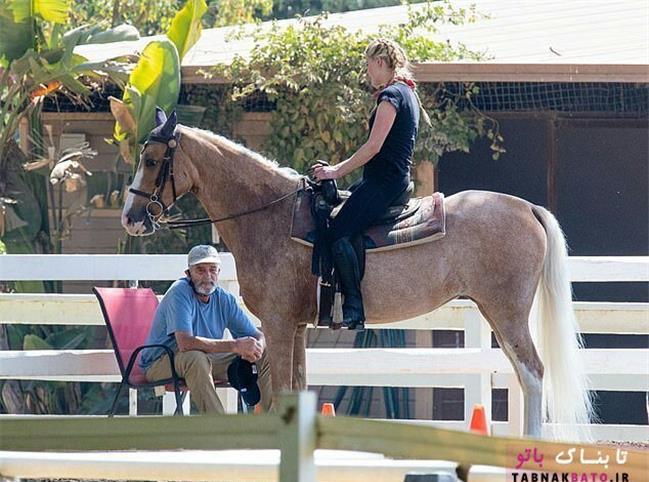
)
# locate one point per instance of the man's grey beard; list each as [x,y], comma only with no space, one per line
[205,292]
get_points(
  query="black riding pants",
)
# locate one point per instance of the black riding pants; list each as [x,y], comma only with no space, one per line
[368,202]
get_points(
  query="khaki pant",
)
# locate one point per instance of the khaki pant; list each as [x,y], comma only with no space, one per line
[199,369]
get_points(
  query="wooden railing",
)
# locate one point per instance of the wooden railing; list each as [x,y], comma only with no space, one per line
[477,367]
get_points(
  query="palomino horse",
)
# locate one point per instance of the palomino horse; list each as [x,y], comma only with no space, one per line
[497,251]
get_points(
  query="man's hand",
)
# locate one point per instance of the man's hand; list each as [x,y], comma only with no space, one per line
[249,348]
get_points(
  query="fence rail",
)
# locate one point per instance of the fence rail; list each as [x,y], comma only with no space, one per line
[170,266]
[396,367]
[82,309]
[478,368]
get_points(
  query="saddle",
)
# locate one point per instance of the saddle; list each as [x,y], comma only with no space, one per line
[406,222]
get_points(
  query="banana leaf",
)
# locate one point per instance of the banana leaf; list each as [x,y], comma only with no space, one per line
[35,342]
[69,338]
[155,81]
[17,20]
[55,11]
[15,38]
[185,28]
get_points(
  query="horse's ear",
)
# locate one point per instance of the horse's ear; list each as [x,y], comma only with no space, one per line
[170,124]
[160,116]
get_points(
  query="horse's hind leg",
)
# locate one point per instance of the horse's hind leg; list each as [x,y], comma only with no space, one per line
[513,335]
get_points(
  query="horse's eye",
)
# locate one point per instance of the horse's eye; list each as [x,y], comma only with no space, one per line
[150,162]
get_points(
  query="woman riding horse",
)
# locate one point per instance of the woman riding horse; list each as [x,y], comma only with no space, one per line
[498,251]
[387,156]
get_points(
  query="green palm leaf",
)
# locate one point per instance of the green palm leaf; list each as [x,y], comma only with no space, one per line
[155,81]
[185,28]
[51,10]
[35,342]
[17,34]
[15,37]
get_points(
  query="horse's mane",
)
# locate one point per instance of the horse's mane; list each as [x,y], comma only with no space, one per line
[244,152]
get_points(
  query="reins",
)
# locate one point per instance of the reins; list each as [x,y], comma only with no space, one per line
[167,174]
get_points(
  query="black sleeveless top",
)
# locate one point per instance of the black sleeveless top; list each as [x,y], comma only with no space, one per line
[392,163]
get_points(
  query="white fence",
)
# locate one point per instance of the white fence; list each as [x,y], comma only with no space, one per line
[284,446]
[478,368]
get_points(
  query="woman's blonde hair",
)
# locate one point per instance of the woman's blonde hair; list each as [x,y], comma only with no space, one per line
[393,55]
[395,58]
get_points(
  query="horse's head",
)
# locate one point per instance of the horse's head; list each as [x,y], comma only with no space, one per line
[161,178]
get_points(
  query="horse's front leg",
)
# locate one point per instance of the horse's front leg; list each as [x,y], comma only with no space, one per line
[280,337]
[299,358]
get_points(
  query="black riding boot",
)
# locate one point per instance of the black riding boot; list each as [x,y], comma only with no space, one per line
[349,274]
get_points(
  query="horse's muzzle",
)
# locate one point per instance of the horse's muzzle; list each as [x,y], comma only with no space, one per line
[140,227]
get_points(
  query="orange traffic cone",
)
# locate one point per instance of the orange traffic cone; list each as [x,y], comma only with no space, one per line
[479,420]
[328,410]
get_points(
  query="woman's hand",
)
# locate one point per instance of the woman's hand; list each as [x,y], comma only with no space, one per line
[320,173]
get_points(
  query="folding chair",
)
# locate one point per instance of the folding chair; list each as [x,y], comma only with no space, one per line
[128,313]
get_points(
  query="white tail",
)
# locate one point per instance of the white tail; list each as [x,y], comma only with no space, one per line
[566,399]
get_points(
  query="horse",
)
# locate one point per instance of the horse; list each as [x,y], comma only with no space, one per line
[499,251]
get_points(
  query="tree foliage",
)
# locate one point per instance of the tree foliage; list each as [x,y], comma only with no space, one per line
[150,17]
[153,17]
[44,61]
[291,8]
[233,12]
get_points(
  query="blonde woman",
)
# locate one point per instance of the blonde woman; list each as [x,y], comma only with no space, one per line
[386,157]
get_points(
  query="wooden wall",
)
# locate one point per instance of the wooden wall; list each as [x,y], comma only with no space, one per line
[96,230]
[254,128]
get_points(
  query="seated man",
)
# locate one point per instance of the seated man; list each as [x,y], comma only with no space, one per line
[191,319]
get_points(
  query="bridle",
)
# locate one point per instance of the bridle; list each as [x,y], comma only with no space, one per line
[166,174]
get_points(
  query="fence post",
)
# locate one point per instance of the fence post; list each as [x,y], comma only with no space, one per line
[297,437]
[169,403]
[229,399]
[514,407]
[132,402]
[477,334]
